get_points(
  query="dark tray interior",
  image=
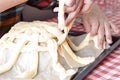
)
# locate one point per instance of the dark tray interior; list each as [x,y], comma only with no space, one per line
[83,72]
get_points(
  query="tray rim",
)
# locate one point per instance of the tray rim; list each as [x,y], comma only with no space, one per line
[80,75]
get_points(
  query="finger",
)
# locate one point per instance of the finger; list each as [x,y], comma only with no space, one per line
[86,25]
[114,28]
[74,7]
[56,9]
[101,33]
[67,9]
[74,14]
[69,18]
[70,9]
[70,2]
[108,33]
[114,34]
[94,26]
[87,4]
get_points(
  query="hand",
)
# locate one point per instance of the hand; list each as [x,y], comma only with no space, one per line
[96,22]
[74,7]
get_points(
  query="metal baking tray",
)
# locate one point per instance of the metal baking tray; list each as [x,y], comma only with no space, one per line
[84,71]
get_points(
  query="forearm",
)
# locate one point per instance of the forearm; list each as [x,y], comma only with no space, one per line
[6,4]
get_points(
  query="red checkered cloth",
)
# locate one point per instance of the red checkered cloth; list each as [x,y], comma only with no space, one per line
[109,68]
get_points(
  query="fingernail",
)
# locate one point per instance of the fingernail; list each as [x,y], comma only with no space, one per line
[109,41]
[118,31]
[55,9]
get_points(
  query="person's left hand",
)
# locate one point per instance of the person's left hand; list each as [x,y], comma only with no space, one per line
[96,23]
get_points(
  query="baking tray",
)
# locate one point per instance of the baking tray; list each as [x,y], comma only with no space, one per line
[83,71]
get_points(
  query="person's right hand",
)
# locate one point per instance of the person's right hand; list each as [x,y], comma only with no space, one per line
[74,7]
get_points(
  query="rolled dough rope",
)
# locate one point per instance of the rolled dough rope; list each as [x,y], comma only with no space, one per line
[85,42]
[45,35]
[61,22]
[72,45]
[63,74]
[42,48]
[81,61]
[52,48]
[69,60]
[31,49]
[61,19]
[54,30]
[15,52]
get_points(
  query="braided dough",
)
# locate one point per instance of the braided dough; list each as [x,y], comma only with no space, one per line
[41,50]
